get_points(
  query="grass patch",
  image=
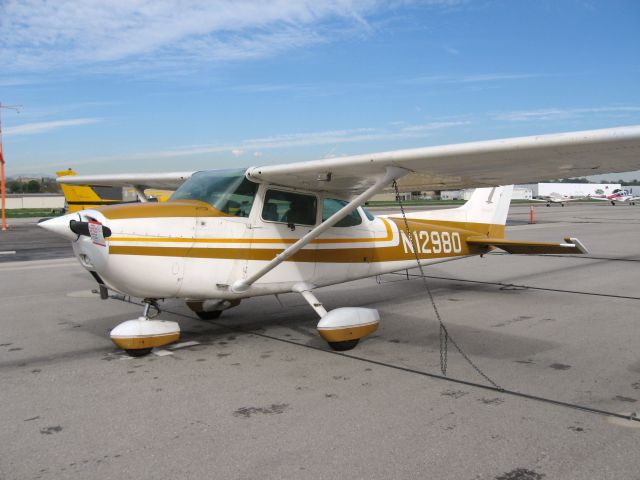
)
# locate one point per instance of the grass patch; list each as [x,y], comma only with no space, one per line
[34,212]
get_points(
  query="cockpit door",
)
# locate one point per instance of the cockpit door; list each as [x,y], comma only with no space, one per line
[280,218]
[222,237]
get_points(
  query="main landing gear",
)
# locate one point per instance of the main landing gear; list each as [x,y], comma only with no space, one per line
[137,337]
[341,328]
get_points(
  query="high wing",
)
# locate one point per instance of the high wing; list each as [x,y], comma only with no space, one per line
[475,164]
[161,181]
[555,199]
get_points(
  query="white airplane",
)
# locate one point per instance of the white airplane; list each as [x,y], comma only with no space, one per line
[556,198]
[228,235]
[618,195]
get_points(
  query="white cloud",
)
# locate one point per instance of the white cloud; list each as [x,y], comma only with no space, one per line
[42,127]
[564,113]
[237,152]
[470,78]
[45,35]
[434,126]
[284,141]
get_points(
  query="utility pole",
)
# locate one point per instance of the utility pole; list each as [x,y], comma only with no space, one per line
[3,182]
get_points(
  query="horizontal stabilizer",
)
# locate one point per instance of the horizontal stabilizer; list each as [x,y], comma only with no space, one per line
[572,246]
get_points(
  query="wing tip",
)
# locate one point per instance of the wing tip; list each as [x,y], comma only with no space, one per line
[575,243]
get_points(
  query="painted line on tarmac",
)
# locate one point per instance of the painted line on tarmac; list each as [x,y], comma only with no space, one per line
[8,252]
[39,264]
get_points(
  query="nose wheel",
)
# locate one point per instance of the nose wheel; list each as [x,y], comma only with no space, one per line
[140,352]
[344,346]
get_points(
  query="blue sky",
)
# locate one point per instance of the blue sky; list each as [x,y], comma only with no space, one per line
[126,86]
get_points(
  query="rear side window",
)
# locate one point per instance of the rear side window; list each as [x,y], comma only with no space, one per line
[331,206]
[289,208]
[368,214]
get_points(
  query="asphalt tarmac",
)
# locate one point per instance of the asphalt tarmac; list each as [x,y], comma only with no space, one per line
[24,240]
[260,396]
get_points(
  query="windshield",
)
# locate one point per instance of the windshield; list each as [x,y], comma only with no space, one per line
[226,190]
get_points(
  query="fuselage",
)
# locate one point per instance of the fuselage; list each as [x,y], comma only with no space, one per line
[189,248]
[182,249]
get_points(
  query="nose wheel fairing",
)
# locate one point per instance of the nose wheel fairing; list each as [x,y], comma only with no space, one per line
[142,334]
[137,337]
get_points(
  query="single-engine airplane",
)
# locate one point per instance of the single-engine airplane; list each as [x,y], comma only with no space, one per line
[556,198]
[618,195]
[228,235]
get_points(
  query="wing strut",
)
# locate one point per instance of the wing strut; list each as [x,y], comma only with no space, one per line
[140,193]
[392,173]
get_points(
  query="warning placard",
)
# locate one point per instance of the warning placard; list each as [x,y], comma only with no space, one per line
[95,230]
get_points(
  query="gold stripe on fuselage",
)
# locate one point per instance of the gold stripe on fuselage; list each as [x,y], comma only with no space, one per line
[370,254]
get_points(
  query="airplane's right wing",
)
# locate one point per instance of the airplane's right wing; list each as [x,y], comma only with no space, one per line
[463,165]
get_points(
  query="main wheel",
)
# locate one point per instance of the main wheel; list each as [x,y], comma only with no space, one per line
[212,315]
[138,352]
[344,346]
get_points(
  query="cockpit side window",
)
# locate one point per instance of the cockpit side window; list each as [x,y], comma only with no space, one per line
[332,205]
[288,207]
[226,190]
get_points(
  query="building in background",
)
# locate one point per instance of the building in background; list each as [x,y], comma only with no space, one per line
[53,201]
[520,192]
[572,190]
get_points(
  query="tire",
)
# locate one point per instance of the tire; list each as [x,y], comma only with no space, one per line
[212,315]
[138,352]
[344,346]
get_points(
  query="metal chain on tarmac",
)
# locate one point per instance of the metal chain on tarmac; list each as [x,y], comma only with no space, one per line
[445,337]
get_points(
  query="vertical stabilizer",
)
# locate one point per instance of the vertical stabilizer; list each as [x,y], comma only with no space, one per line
[486,211]
[489,205]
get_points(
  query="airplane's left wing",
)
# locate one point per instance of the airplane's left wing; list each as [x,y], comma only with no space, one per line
[475,164]
[161,181]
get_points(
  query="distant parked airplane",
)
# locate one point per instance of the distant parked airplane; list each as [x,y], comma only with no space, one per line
[556,198]
[618,195]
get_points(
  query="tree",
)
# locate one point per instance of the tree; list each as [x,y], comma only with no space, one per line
[49,185]
[14,186]
[33,186]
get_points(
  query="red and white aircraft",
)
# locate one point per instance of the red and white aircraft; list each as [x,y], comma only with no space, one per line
[618,195]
